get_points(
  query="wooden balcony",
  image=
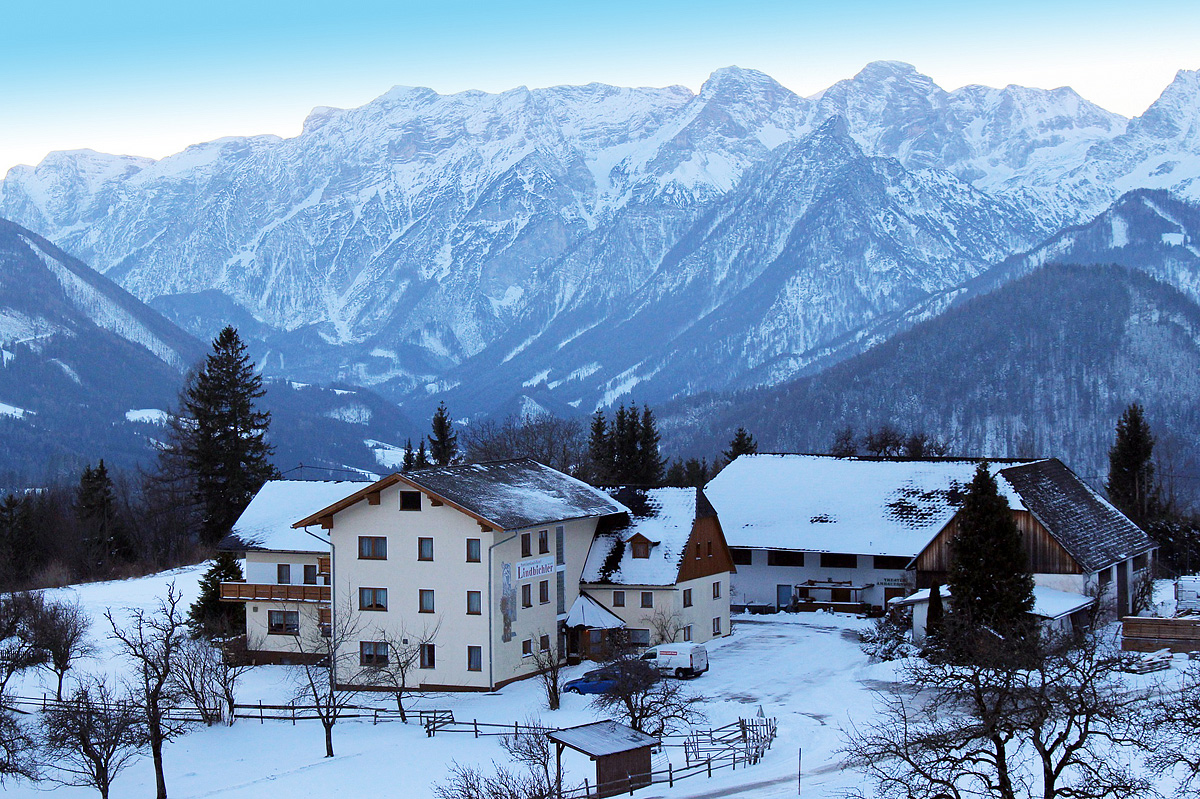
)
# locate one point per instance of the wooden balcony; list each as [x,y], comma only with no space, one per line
[262,592]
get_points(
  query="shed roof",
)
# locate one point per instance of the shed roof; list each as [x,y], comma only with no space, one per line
[507,494]
[601,738]
[1048,603]
[1095,533]
[663,516]
[819,503]
[266,523]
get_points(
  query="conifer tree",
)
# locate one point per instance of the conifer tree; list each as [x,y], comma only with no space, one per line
[935,614]
[696,472]
[649,463]
[96,509]
[742,444]
[222,435]
[410,457]
[1131,486]
[422,459]
[16,542]
[443,444]
[209,616]
[676,474]
[600,450]
[989,580]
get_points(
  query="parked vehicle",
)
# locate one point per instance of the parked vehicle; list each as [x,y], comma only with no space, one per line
[682,660]
[605,679]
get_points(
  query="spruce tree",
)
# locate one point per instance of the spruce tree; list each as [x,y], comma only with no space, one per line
[935,614]
[222,435]
[625,429]
[96,509]
[422,459]
[696,472]
[410,457]
[443,444]
[649,463]
[676,474]
[989,580]
[16,542]
[742,444]
[600,451]
[1131,485]
[208,616]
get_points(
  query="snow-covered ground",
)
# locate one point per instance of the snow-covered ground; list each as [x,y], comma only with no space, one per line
[806,670]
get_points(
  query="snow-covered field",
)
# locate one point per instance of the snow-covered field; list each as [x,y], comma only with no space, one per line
[806,670]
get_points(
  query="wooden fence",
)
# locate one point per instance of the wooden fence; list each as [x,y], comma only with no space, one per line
[27,705]
[1142,634]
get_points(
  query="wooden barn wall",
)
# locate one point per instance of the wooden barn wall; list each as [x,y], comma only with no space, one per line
[706,531]
[1046,556]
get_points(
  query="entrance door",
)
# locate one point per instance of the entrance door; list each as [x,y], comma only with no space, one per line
[783,596]
[1123,588]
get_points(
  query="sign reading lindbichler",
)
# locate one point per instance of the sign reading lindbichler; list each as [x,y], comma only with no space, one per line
[530,569]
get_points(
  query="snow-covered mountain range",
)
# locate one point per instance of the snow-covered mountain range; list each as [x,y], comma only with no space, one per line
[568,246]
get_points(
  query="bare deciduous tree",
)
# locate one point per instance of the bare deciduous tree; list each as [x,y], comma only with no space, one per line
[198,676]
[646,703]
[549,664]
[1173,720]
[330,667]
[61,631]
[152,642]
[665,625]
[529,747]
[994,727]
[19,647]
[558,443]
[92,736]
[18,750]
[403,656]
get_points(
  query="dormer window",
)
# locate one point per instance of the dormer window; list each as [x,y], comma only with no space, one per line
[641,548]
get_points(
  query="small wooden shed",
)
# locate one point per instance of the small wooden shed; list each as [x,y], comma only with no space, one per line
[622,754]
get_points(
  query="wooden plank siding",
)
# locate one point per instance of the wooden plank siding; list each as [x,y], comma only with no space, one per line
[1046,556]
[263,592]
[697,562]
[1140,634]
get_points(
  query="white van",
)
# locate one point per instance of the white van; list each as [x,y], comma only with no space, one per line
[682,660]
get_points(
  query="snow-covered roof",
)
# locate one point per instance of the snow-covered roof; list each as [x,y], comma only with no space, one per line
[266,523]
[664,517]
[1048,603]
[862,506]
[1095,533]
[587,612]
[602,738]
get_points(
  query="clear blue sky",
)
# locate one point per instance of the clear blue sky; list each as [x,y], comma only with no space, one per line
[149,78]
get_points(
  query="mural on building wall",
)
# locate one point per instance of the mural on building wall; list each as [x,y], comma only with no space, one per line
[508,601]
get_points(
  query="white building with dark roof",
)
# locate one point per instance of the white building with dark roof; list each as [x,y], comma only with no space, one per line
[663,570]
[479,562]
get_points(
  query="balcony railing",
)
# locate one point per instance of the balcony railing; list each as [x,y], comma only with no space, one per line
[264,592]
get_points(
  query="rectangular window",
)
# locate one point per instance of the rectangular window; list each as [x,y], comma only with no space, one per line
[372,599]
[283,622]
[686,632]
[372,547]
[283,574]
[897,562]
[310,574]
[687,597]
[647,599]
[372,653]
[474,603]
[639,637]
[710,549]
[526,544]
[527,647]
[527,596]
[544,643]
[781,558]
[410,500]
[838,560]
[425,604]
[717,590]
[474,658]
[543,542]
[473,550]
[544,592]
[717,626]
[742,556]
[560,583]
[697,550]
[641,549]
[428,658]
[1105,576]
[618,599]
[424,549]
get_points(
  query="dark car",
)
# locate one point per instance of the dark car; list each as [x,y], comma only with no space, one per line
[631,673]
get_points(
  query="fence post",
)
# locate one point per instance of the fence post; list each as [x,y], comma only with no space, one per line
[670,776]
[476,723]
[260,712]
[586,790]
[293,703]
[710,768]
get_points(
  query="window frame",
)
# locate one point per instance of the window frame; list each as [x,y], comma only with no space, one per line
[526,545]
[424,594]
[686,633]
[544,592]
[687,597]
[285,628]
[376,593]
[716,627]
[640,549]
[618,599]
[543,542]
[647,599]
[478,551]
[526,595]
[544,643]
[425,542]
[373,656]
[477,651]
[716,589]
[373,545]
[427,657]
[283,574]
[310,569]
[478,595]
[527,648]
[407,502]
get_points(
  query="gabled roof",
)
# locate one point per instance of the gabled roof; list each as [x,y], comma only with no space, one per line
[266,523]
[507,495]
[664,516]
[1092,531]
[863,506]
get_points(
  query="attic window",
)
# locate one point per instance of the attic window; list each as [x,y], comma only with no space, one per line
[410,500]
[641,549]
